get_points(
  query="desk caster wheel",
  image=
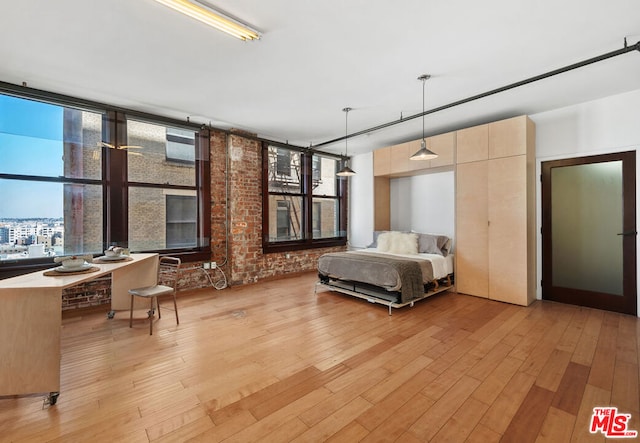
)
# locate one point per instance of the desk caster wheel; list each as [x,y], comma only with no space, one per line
[111,314]
[51,399]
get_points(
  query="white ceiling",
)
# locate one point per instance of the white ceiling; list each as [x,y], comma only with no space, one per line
[317,57]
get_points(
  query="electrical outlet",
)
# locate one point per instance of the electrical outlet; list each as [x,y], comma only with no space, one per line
[206,265]
[214,265]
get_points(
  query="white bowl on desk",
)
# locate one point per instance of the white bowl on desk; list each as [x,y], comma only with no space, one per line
[115,252]
[73,263]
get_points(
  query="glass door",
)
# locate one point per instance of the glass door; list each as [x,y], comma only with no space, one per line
[589,232]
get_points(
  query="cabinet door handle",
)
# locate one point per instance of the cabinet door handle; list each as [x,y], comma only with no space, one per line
[628,233]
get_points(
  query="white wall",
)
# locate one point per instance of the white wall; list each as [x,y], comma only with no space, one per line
[360,229]
[424,203]
[602,126]
[597,127]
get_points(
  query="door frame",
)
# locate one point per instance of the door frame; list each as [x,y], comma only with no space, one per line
[628,303]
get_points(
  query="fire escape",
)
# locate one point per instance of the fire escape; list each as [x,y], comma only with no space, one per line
[287,180]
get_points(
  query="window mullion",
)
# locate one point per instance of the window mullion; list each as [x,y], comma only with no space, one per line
[115,176]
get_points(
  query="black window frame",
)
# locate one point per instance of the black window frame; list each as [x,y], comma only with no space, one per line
[306,193]
[114,177]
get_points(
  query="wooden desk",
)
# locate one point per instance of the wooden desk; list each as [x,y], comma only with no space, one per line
[31,318]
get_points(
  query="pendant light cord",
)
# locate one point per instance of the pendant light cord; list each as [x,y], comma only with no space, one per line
[346,131]
[424,79]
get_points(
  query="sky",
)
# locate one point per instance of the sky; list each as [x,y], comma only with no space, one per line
[30,143]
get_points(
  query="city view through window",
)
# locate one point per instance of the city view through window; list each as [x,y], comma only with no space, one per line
[31,212]
[31,237]
[53,193]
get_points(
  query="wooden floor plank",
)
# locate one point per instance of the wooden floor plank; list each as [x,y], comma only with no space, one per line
[483,434]
[463,422]
[526,425]
[624,393]
[570,391]
[279,418]
[331,404]
[432,420]
[275,362]
[158,430]
[593,397]
[387,407]
[396,425]
[603,366]
[396,379]
[225,430]
[502,410]
[492,386]
[557,427]
[335,422]
[550,375]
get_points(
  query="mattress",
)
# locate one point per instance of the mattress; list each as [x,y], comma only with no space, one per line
[442,266]
[407,274]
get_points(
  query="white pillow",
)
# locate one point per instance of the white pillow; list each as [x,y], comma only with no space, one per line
[398,242]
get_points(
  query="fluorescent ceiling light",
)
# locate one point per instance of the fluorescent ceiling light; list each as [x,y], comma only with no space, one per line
[211,17]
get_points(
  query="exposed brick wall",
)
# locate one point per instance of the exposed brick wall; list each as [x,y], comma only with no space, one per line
[92,293]
[218,147]
[248,263]
[241,259]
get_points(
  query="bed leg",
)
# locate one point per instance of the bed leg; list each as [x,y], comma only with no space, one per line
[435,285]
[389,310]
[448,280]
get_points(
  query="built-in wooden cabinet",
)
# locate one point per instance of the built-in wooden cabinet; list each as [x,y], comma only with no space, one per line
[382,203]
[444,146]
[472,144]
[472,233]
[394,161]
[382,162]
[495,203]
[495,211]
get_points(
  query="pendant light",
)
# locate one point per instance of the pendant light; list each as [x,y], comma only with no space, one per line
[423,153]
[346,171]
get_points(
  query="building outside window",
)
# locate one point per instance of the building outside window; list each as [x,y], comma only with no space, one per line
[326,198]
[283,221]
[283,162]
[304,201]
[181,221]
[162,196]
[74,181]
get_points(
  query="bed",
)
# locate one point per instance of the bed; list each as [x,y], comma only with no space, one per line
[397,269]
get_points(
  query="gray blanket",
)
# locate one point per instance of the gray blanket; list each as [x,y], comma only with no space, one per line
[386,271]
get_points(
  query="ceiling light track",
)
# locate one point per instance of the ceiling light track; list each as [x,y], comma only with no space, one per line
[626,49]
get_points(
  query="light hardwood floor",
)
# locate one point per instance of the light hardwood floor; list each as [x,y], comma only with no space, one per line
[273,362]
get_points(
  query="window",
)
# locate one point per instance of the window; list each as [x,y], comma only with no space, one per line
[283,221]
[50,179]
[182,221]
[303,203]
[78,180]
[162,191]
[283,159]
[180,145]
[326,199]
[316,168]
[317,220]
